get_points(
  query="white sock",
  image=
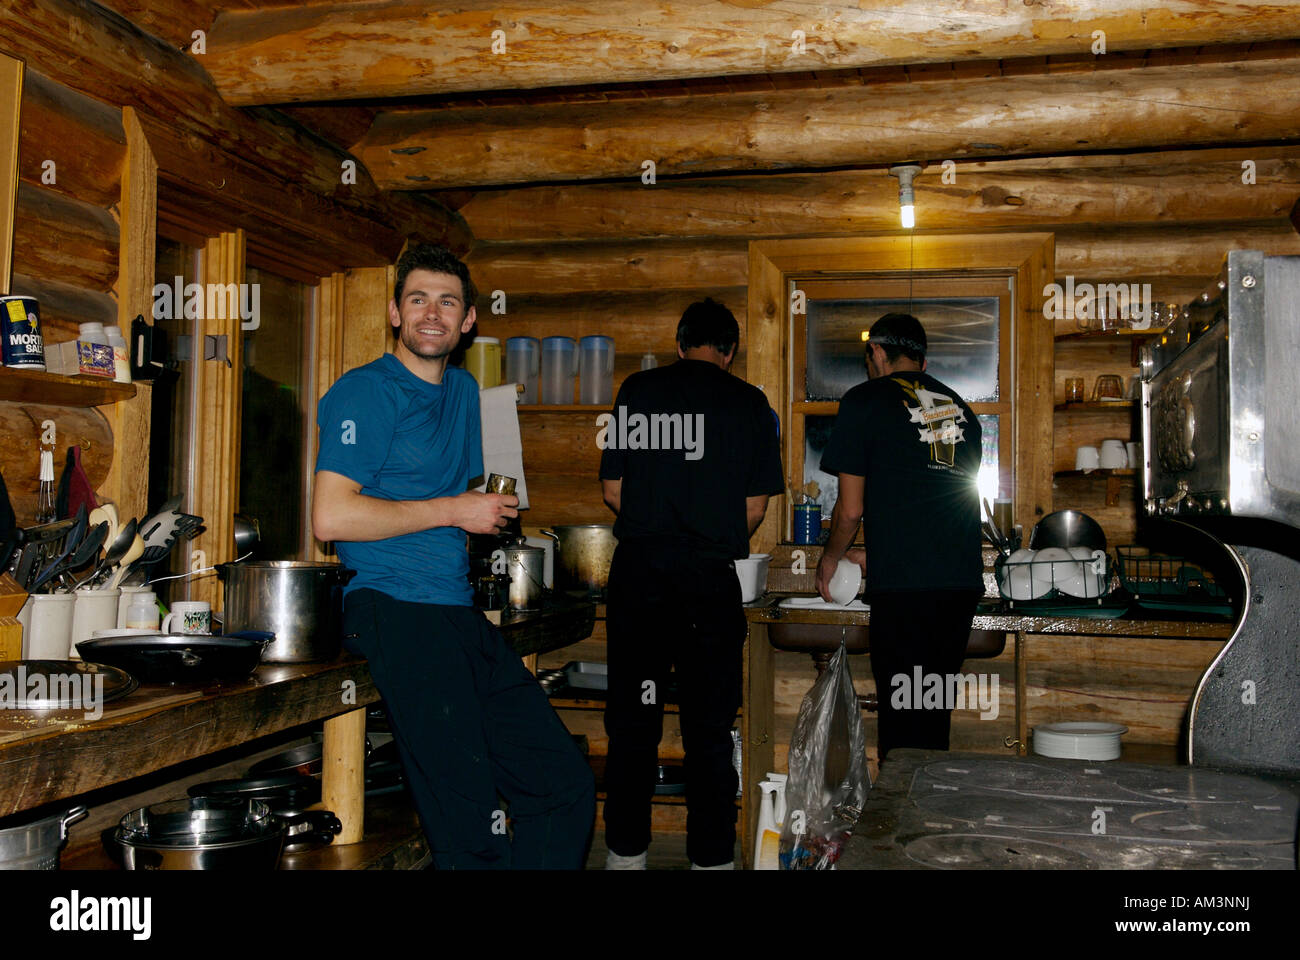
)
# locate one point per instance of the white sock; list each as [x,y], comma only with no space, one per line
[614,861]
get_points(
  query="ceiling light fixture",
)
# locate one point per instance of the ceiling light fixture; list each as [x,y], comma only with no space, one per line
[906,199]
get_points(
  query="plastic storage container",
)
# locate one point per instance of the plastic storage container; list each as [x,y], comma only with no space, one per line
[483,360]
[524,365]
[559,367]
[596,378]
[121,354]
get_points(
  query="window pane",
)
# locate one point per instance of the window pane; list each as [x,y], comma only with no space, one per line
[272,418]
[962,334]
[171,412]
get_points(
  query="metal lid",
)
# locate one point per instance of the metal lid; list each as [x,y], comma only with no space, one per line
[61,684]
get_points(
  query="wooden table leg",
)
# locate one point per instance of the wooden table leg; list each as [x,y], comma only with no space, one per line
[343,775]
[1022,685]
[757,724]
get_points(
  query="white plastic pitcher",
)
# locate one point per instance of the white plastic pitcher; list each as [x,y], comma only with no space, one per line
[524,365]
[596,371]
[559,367]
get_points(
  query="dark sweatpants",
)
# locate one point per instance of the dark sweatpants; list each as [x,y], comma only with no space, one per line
[926,628]
[669,609]
[471,723]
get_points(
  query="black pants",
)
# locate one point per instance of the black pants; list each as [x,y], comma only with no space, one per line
[471,723]
[929,629]
[668,609]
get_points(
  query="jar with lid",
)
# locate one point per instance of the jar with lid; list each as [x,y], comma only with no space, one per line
[121,357]
[142,614]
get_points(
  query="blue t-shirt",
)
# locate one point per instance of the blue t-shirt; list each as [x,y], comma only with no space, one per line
[402,438]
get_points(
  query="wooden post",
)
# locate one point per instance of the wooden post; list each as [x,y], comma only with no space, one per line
[11,98]
[757,728]
[343,773]
[216,486]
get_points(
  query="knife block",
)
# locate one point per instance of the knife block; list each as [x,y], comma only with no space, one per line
[12,598]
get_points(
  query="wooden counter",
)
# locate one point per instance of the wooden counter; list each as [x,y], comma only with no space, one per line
[759,712]
[58,755]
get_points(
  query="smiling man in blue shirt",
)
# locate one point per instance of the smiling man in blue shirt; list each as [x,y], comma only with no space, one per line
[400,445]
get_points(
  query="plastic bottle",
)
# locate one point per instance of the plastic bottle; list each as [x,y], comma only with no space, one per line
[649,361]
[121,356]
[596,366]
[92,332]
[780,779]
[767,841]
[142,614]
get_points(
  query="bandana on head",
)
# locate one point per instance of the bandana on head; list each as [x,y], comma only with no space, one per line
[890,339]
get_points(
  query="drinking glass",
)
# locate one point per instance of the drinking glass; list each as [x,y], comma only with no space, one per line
[1109,387]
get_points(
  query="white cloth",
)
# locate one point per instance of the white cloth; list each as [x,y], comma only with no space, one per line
[503,450]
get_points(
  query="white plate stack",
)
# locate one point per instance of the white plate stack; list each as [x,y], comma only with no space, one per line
[1079,740]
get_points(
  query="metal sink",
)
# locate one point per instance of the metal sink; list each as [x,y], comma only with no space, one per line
[824,638]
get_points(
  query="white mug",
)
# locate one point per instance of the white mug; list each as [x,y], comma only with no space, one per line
[189,616]
[1134,454]
[1114,456]
[1086,458]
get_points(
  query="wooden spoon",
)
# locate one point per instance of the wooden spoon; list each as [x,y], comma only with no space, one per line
[132,553]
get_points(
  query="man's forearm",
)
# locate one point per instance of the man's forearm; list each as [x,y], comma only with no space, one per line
[357,518]
[843,529]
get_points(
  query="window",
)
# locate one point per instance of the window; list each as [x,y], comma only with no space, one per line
[967,320]
[277,407]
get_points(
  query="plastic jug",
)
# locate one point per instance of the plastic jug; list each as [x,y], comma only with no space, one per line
[596,377]
[524,365]
[483,359]
[559,367]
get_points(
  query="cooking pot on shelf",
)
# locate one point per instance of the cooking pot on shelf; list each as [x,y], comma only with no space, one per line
[35,846]
[583,554]
[300,602]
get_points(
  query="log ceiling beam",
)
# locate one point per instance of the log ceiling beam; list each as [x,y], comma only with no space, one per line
[1183,105]
[83,46]
[397,48]
[1159,187]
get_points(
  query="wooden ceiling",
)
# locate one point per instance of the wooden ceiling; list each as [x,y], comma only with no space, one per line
[730,87]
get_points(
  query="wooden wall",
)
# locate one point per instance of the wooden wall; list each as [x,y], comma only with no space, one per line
[625,258]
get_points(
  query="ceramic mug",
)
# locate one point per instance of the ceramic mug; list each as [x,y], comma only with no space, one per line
[1114,456]
[1087,458]
[189,616]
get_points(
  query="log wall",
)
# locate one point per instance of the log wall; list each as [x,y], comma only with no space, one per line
[625,259]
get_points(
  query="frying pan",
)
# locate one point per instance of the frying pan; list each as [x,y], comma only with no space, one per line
[177,658]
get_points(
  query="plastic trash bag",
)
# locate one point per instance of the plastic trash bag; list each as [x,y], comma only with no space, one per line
[828,772]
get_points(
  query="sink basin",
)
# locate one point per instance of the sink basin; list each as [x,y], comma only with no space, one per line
[825,637]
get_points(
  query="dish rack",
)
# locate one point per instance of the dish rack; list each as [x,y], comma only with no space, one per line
[1021,583]
[1166,580]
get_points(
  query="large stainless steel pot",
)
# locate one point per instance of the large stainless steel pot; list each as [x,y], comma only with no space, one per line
[202,833]
[35,846]
[583,554]
[300,602]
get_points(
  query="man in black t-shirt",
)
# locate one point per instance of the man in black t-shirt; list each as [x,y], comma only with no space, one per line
[908,447]
[690,459]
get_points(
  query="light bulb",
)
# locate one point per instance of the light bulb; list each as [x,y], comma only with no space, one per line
[908,214]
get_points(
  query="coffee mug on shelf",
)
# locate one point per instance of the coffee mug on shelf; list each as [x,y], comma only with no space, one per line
[1087,458]
[1114,455]
[189,616]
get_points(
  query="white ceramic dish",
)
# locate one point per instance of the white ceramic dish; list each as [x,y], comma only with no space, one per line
[846,582]
[1079,740]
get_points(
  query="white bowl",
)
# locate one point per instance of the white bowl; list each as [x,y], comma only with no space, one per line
[1079,740]
[125,632]
[845,582]
[1018,581]
[752,573]
[1054,566]
[1088,578]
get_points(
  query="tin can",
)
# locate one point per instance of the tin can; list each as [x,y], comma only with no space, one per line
[20,327]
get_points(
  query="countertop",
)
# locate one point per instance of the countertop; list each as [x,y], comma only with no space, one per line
[992,615]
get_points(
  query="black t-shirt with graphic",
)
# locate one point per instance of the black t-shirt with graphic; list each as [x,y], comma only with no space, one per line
[917,444]
[690,442]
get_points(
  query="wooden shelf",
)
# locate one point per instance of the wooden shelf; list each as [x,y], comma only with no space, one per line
[1099,471]
[36,386]
[1110,335]
[564,408]
[1095,406]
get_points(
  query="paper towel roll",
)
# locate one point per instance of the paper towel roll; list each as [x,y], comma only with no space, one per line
[503,450]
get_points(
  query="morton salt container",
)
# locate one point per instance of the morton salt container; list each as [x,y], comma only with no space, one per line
[20,326]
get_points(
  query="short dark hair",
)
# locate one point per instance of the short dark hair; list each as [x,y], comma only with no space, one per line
[899,335]
[707,323]
[424,256]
